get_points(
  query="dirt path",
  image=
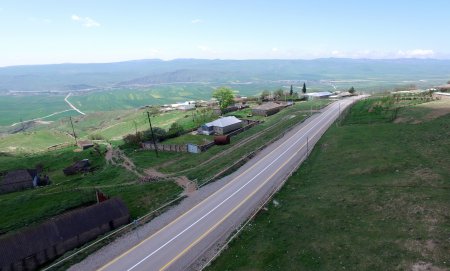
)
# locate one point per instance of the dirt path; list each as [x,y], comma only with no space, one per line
[115,156]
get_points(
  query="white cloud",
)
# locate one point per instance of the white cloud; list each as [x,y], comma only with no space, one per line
[85,21]
[206,49]
[197,21]
[419,53]
[275,49]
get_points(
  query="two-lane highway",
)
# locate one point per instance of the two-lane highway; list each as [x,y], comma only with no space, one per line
[177,245]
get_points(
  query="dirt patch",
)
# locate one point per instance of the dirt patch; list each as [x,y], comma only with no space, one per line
[188,186]
[115,156]
[426,175]
[402,120]
[431,245]
[153,175]
[438,112]
[423,266]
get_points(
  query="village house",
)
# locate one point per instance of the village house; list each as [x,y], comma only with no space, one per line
[85,144]
[21,179]
[267,109]
[221,126]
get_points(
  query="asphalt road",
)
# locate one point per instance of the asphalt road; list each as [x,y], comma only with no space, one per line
[180,243]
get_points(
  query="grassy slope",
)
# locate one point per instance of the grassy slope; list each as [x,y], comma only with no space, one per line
[31,206]
[370,197]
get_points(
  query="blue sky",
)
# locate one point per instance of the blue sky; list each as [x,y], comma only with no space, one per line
[44,31]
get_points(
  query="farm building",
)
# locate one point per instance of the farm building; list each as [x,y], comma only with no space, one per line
[79,166]
[85,144]
[221,126]
[267,109]
[318,95]
[31,248]
[21,179]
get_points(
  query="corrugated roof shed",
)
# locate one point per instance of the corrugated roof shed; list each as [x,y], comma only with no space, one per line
[223,122]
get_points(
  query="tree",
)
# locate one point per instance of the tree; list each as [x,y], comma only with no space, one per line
[159,133]
[448,82]
[304,88]
[265,94]
[176,129]
[224,96]
[278,93]
[291,91]
[351,90]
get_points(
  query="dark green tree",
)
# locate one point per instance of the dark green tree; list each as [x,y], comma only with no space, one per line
[351,90]
[224,96]
[159,133]
[304,88]
[291,91]
[278,93]
[176,129]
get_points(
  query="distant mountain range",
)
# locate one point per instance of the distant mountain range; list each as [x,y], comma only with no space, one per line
[139,73]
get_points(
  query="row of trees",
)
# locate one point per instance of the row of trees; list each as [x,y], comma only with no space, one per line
[225,95]
[160,134]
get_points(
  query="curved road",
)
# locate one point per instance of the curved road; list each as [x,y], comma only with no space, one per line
[180,243]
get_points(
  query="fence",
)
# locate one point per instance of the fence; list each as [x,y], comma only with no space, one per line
[175,147]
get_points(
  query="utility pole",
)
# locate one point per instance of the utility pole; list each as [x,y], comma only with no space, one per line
[135,127]
[73,130]
[22,124]
[153,136]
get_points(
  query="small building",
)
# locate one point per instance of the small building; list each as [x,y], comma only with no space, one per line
[267,109]
[441,95]
[85,144]
[35,246]
[221,126]
[318,95]
[18,180]
[79,166]
[188,105]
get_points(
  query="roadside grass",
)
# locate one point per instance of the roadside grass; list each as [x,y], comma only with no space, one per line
[370,197]
[189,138]
[144,159]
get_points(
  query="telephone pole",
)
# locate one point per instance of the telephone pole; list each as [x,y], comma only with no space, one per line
[73,130]
[153,136]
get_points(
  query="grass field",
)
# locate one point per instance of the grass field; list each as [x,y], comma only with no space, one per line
[374,195]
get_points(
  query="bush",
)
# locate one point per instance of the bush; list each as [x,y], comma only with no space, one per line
[96,137]
[176,129]
[133,139]
[159,133]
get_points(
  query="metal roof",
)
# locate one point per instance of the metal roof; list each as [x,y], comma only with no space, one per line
[223,122]
[319,94]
